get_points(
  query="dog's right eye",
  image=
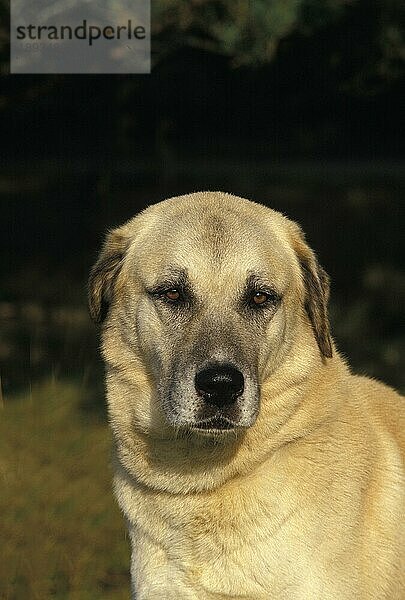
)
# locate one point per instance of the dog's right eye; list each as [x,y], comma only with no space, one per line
[174,295]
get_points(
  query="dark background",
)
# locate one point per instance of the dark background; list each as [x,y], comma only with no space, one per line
[297,105]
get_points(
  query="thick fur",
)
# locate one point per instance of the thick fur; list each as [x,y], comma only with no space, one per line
[305,497]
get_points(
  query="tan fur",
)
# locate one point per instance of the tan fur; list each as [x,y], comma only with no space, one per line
[308,502]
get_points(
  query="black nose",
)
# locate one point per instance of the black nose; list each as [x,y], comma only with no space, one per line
[219,384]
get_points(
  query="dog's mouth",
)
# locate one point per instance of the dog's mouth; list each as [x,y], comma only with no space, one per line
[215,424]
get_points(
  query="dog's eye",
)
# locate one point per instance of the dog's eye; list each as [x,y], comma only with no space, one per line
[262,298]
[173,295]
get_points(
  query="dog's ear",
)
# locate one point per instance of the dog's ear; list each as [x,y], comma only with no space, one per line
[104,274]
[316,283]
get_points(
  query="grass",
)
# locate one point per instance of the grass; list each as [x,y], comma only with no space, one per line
[62,534]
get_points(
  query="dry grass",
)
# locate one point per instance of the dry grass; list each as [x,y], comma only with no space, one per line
[61,533]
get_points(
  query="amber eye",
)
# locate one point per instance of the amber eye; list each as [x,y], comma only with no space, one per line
[172,295]
[260,298]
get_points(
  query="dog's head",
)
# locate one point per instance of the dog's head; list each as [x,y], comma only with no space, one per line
[203,298]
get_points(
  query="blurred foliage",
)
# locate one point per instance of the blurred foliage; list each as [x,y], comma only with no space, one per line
[248,32]
[61,531]
[251,32]
[296,77]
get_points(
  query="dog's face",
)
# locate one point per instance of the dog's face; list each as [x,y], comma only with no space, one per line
[204,290]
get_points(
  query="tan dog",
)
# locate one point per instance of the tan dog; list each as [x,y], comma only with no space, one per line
[250,462]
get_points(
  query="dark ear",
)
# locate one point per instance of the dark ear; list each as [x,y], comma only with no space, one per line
[316,282]
[104,274]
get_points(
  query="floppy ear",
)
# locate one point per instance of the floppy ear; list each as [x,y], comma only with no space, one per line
[104,274]
[316,282]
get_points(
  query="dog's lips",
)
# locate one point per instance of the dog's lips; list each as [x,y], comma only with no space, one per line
[216,423]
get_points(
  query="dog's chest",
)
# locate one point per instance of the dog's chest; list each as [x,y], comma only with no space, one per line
[229,553]
[233,544]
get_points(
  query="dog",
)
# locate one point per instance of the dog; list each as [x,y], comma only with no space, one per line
[249,461]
